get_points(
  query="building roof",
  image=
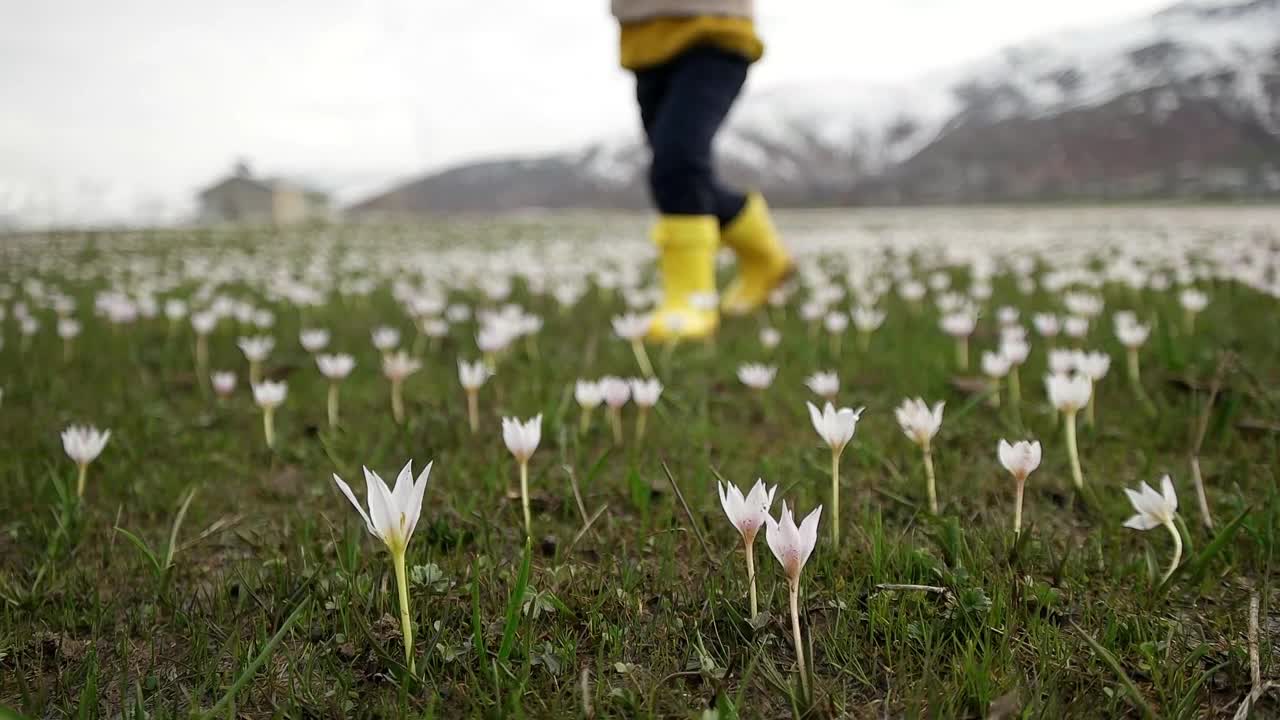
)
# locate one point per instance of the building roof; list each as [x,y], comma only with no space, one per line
[265,185]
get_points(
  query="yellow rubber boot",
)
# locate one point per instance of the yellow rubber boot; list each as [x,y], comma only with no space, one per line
[687,261]
[762,261]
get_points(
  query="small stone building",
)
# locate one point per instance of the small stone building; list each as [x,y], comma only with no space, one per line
[243,199]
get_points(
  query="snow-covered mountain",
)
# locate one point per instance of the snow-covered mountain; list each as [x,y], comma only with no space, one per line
[1185,101]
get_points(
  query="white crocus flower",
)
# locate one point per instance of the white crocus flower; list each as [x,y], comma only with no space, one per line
[203,323]
[757,376]
[1076,326]
[792,547]
[835,324]
[960,325]
[385,339]
[397,366]
[748,514]
[1154,509]
[472,376]
[836,428]
[313,340]
[1092,365]
[269,395]
[256,349]
[1070,393]
[1193,301]
[824,384]
[589,395]
[1020,459]
[1132,335]
[83,444]
[1015,349]
[335,368]
[224,382]
[921,423]
[633,328]
[522,440]
[770,338]
[616,392]
[645,393]
[995,366]
[1047,324]
[392,517]
[867,320]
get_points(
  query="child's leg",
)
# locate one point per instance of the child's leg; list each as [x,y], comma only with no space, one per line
[697,92]
[701,87]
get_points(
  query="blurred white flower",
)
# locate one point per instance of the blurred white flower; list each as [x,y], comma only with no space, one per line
[385,339]
[83,444]
[224,382]
[337,366]
[757,376]
[314,340]
[824,384]
[770,338]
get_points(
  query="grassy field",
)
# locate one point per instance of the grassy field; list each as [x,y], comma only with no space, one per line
[202,572]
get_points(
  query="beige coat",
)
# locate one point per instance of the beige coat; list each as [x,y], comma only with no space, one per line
[634,10]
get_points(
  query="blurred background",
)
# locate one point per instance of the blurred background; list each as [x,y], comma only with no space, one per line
[151,112]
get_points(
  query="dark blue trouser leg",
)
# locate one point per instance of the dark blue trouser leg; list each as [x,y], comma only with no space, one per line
[683,103]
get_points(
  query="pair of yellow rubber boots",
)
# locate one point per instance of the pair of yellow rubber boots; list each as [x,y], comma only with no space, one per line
[687,260]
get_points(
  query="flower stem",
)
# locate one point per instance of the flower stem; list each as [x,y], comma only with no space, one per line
[1135,376]
[255,372]
[1090,417]
[751,574]
[269,426]
[795,635]
[1015,389]
[406,626]
[584,420]
[1017,505]
[397,402]
[835,497]
[962,352]
[930,480]
[1177,550]
[1198,480]
[202,358]
[80,479]
[615,419]
[864,340]
[641,415]
[333,404]
[473,410]
[524,498]
[642,357]
[1070,425]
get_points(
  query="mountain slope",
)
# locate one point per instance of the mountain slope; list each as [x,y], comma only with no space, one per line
[1185,101]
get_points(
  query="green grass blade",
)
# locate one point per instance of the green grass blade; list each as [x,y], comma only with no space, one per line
[142,547]
[1138,700]
[515,604]
[247,674]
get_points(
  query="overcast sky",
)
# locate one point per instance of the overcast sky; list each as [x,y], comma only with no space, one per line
[126,107]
